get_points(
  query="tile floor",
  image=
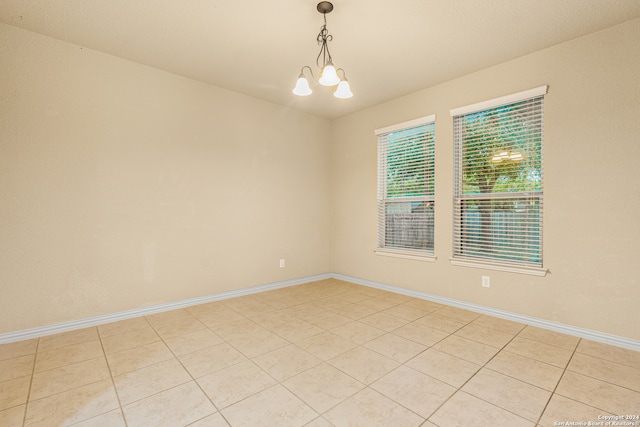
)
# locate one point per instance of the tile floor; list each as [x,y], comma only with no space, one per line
[328,353]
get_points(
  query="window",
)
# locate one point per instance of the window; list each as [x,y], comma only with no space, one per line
[497,212]
[406,189]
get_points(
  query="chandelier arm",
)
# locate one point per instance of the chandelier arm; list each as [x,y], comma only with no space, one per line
[310,71]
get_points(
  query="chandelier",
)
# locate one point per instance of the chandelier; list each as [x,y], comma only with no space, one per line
[328,72]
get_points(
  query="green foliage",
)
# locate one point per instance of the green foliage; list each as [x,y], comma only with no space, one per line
[488,133]
[410,168]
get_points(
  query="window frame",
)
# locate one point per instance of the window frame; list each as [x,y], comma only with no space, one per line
[459,197]
[382,200]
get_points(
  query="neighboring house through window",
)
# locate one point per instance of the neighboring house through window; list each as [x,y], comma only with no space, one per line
[406,189]
[498,183]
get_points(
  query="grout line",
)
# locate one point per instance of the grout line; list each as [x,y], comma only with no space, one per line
[113,383]
[33,371]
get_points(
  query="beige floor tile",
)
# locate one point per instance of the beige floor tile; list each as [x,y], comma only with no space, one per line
[178,406]
[560,409]
[255,344]
[286,362]
[460,314]
[301,310]
[356,311]
[497,324]
[444,367]
[323,387]
[138,357]
[611,372]
[414,390]
[515,396]
[354,296]
[238,329]
[319,422]
[122,326]
[420,333]
[358,332]
[442,323]
[296,330]
[144,382]
[73,406]
[546,353]
[68,355]
[14,392]
[327,320]
[464,410]
[68,377]
[188,343]
[16,367]
[363,364]
[132,339]
[413,353]
[210,359]
[64,339]
[393,297]
[247,308]
[200,310]
[368,408]
[377,303]
[619,355]
[214,319]
[214,420]
[12,417]
[175,323]
[272,319]
[525,369]
[395,347]
[423,305]
[234,383]
[334,303]
[405,312]
[109,419]
[384,321]
[484,335]
[18,348]
[599,394]
[557,339]
[468,350]
[275,406]
[326,345]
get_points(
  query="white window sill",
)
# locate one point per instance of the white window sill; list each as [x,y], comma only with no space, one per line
[534,271]
[397,253]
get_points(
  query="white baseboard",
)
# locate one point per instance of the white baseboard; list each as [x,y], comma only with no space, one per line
[123,315]
[114,317]
[533,321]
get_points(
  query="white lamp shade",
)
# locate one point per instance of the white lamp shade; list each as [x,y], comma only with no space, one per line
[343,91]
[329,76]
[302,87]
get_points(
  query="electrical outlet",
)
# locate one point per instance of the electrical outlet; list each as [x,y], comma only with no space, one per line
[486,282]
[282,263]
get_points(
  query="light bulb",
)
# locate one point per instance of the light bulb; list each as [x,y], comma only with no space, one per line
[329,76]
[302,87]
[515,157]
[343,91]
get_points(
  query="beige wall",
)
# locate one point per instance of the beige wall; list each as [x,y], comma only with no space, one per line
[592,187]
[122,186]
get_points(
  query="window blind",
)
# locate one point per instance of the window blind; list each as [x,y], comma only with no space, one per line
[406,186]
[498,185]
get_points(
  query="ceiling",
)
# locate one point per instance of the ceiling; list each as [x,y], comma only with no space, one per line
[388,49]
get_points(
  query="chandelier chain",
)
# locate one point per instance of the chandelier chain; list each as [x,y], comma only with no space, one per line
[323,38]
